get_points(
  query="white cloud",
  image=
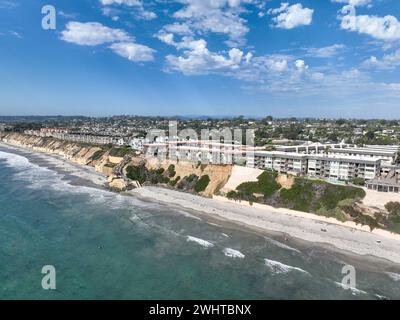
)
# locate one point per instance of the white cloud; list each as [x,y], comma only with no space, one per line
[385,28]
[325,52]
[354,3]
[141,12]
[125,2]
[388,61]
[6,4]
[167,38]
[15,34]
[178,28]
[92,34]
[133,51]
[289,17]
[217,16]
[197,59]
[301,65]
[67,15]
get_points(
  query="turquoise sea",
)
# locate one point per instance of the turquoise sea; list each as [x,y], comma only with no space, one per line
[108,246]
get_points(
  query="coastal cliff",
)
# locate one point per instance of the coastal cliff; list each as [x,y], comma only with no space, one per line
[82,154]
[126,170]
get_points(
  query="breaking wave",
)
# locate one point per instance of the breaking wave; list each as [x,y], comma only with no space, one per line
[42,178]
[281,245]
[393,276]
[203,243]
[233,253]
[279,268]
[354,291]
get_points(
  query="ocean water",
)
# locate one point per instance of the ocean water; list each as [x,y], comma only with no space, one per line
[107,246]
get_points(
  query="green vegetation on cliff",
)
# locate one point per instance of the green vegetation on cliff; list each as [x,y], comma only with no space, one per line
[97,155]
[142,174]
[171,171]
[306,195]
[202,184]
[392,221]
[265,187]
[120,152]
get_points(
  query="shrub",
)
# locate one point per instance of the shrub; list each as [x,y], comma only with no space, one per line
[333,194]
[120,152]
[97,155]
[171,171]
[300,196]
[393,208]
[202,183]
[367,220]
[358,181]
[265,185]
[188,182]
[175,181]
[232,195]
[139,173]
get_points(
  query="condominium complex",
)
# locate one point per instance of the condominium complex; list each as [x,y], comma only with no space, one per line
[326,161]
[318,165]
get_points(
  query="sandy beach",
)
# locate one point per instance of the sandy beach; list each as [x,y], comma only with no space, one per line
[347,237]
[86,173]
[300,226]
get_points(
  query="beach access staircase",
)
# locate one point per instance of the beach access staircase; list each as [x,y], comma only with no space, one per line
[118,169]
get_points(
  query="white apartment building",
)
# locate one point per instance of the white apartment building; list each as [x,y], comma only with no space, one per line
[387,155]
[282,162]
[318,165]
[343,168]
[331,161]
[312,148]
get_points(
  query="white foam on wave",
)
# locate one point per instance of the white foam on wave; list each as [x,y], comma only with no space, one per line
[393,276]
[188,215]
[281,245]
[354,291]
[279,267]
[203,243]
[232,253]
[38,177]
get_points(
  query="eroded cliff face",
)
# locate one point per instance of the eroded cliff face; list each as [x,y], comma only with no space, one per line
[218,174]
[99,157]
[94,156]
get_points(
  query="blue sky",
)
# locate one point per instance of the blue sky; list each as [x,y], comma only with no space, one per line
[306,58]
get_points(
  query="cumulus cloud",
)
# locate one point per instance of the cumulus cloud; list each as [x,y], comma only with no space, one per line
[178,28]
[198,59]
[289,17]
[92,34]
[385,28]
[221,16]
[354,3]
[140,11]
[325,52]
[133,51]
[388,61]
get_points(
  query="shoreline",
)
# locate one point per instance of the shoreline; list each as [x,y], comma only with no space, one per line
[342,238]
[258,218]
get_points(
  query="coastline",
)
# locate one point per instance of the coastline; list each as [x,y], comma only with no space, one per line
[299,225]
[78,170]
[343,238]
